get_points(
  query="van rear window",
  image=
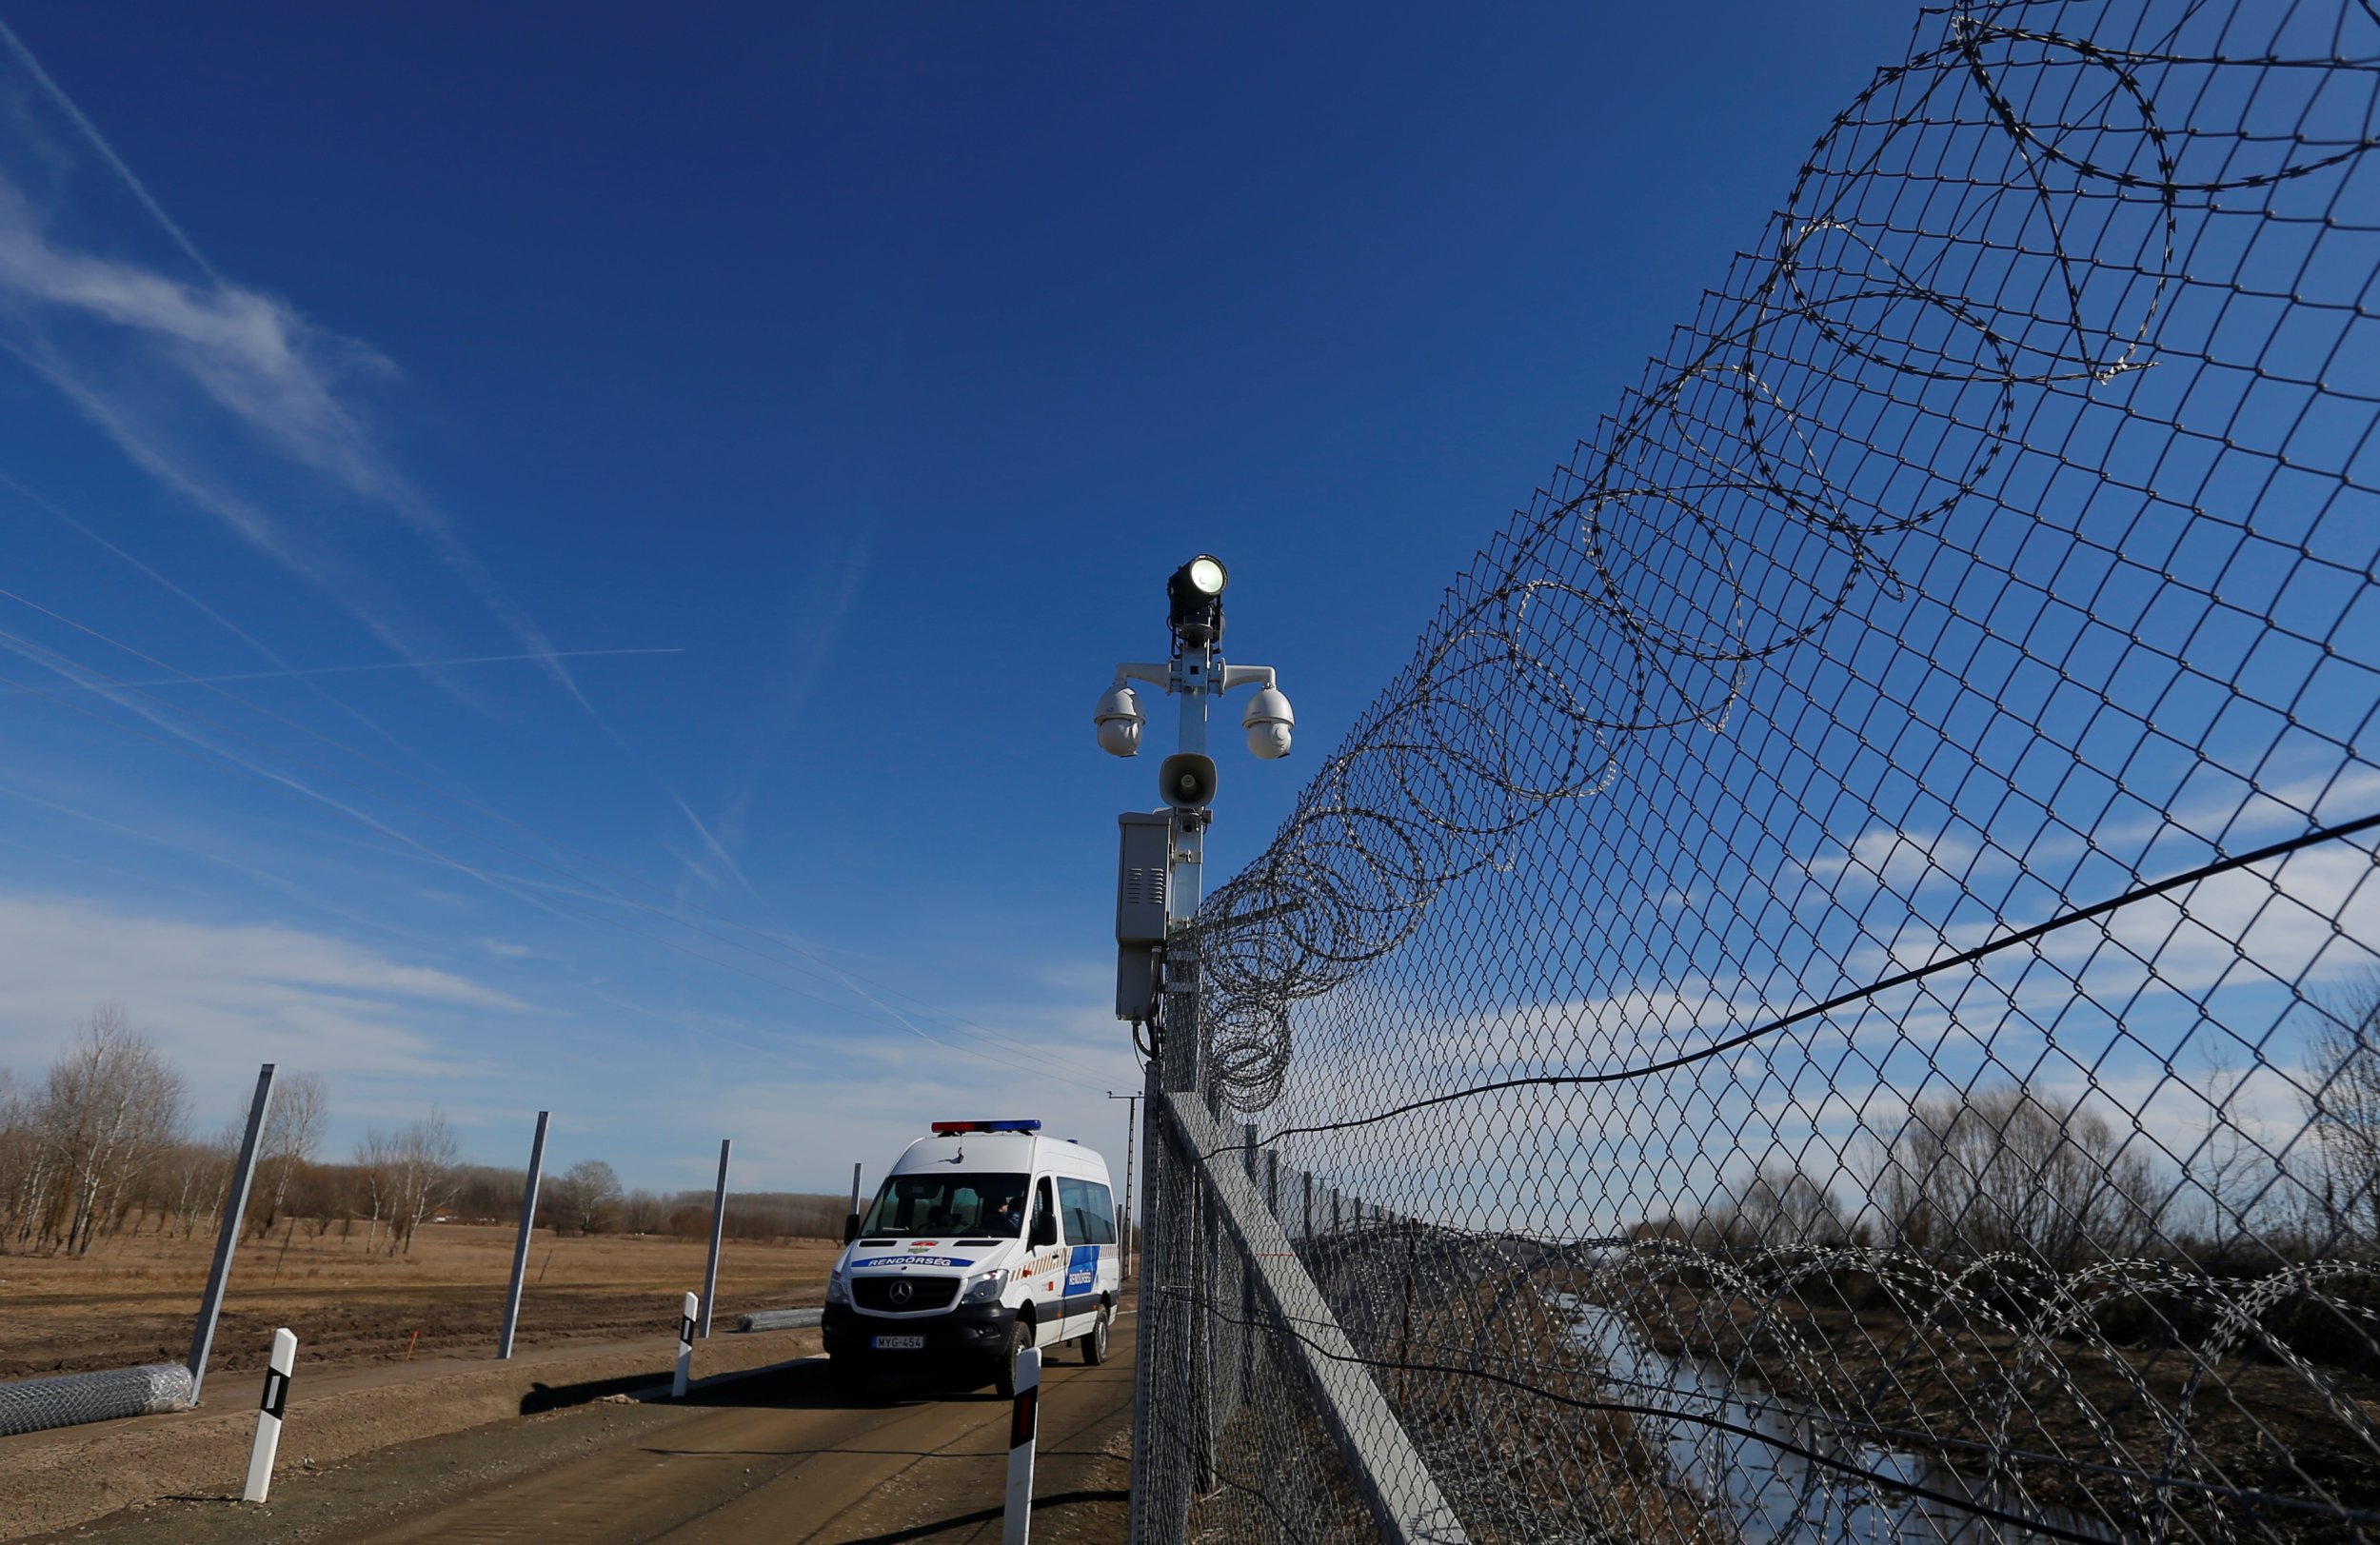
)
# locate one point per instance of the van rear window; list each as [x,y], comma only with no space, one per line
[1090,1212]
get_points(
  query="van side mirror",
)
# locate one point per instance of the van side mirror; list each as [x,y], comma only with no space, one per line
[1044,1230]
[850,1227]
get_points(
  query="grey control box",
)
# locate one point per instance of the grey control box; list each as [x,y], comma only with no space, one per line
[1141,873]
[1142,863]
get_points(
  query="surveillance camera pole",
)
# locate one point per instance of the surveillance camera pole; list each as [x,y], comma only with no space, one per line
[1170,1353]
[1198,675]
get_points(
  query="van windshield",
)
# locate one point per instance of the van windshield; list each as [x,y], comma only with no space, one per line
[913,1204]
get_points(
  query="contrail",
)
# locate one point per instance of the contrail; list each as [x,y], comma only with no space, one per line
[394,664]
[91,132]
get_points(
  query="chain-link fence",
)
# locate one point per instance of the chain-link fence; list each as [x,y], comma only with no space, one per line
[1838,996]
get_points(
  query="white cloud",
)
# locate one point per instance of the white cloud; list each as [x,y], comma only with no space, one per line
[1901,860]
[218,998]
[253,355]
[2312,915]
[178,373]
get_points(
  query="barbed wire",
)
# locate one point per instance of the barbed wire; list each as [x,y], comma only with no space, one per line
[1882,843]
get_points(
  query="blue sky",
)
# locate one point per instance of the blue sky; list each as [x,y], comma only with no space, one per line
[867,371]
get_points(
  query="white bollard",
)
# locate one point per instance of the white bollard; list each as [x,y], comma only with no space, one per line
[1018,1525]
[685,1347]
[268,1413]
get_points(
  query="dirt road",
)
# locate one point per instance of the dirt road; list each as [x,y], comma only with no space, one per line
[775,1458]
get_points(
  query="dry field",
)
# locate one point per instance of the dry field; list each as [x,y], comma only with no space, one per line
[134,1300]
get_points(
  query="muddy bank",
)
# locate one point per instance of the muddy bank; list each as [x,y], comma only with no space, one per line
[2034,1415]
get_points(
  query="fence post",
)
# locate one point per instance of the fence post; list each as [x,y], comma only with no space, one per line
[1016,1524]
[685,1350]
[1200,1303]
[268,1412]
[1309,1229]
[1272,1180]
[852,1228]
[1166,1394]
[719,1226]
[1378,1455]
[521,1244]
[235,1215]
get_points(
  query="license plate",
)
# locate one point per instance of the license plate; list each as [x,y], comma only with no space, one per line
[900,1343]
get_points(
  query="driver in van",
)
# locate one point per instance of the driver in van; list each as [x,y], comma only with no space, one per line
[1007,1215]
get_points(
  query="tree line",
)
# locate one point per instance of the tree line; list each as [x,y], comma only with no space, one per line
[105,1148]
[2009,1169]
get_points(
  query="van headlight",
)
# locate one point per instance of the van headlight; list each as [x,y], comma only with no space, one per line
[838,1291]
[985,1289]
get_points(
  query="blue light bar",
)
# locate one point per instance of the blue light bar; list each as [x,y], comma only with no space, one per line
[947,1129]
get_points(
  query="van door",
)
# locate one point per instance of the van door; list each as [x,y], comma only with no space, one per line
[1045,1266]
[1090,1239]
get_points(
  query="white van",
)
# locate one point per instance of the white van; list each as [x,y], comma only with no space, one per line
[985,1238]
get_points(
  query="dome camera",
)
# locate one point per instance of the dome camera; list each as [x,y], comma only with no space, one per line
[1119,721]
[1268,722]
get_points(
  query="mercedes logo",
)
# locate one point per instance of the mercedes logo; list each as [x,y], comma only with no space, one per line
[901,1292]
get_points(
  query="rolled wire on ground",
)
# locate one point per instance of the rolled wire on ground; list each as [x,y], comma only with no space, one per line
[33,1405]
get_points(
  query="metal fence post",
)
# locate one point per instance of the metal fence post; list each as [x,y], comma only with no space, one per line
[1199,1306]
[719,1229]
[1160,1483]
[1376,1453]
[235,1215]
[520,1242]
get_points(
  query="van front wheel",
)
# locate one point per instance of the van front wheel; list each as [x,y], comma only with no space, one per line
[1014,1340]
[1095,1344]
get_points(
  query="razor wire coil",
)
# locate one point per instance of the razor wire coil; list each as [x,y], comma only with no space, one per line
[1882,849]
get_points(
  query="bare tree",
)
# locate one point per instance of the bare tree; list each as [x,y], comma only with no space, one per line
[2342,1104]
[23,1158]
[293,1129]
[375,1175]
[1778,1205]
[2006,1170]
[423,1161]
[112,1103]
[201,1177]
[586,1196]
[642,1212]
[2230,1167]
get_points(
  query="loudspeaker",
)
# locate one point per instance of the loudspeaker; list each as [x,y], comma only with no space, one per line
[1186,780]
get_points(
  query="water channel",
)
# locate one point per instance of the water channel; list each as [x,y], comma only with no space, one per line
[1773,1495]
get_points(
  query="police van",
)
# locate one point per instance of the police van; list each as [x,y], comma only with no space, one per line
[985,1238]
